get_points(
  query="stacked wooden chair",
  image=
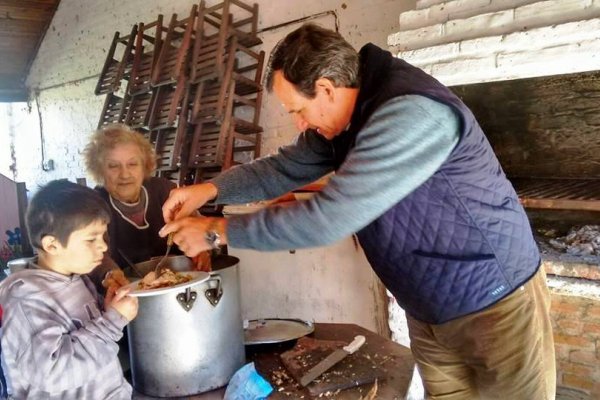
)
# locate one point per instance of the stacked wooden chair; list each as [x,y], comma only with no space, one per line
[225,78]
[193,88]
[118,64]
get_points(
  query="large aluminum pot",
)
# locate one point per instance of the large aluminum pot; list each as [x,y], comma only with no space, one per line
[191,345]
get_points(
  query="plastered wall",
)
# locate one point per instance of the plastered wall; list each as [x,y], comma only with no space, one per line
[333,283]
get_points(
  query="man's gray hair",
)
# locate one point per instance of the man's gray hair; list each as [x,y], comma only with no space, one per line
[312,52]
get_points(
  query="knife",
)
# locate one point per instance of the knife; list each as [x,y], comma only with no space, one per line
[331,360]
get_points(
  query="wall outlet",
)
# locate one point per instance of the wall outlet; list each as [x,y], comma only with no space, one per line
[48,165]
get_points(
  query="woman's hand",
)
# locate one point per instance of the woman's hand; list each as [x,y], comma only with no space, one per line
[125,305]
[184,201]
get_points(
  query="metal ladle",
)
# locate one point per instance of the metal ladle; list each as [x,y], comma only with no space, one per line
[162,260]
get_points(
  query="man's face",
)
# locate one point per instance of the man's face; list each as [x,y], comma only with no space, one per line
[123,172]
[83,251]
[322,113]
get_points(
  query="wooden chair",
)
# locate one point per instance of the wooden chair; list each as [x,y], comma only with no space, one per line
[171,142]
[194,89]
[138,112]
[174,50]
[117,67]
[114,109]
[147,50]
[166,104]
[214,26]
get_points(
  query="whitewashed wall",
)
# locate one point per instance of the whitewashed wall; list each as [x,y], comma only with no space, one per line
[333,283]
[468,41]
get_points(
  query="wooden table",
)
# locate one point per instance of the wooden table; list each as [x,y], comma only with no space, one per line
[396,362]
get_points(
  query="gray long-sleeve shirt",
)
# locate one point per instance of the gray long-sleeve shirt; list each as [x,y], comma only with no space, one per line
[57,343]
[403,143]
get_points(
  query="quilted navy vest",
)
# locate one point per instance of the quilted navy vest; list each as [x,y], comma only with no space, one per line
[461,241]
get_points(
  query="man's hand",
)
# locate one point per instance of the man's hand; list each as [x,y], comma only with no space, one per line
[190,233]
[125,305]
[184,201]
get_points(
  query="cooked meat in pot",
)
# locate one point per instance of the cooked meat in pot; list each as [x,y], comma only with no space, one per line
[165,278]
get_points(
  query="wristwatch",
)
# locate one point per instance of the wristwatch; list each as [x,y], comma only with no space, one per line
[212,237]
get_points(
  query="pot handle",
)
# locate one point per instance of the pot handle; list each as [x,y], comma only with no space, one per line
[215,289]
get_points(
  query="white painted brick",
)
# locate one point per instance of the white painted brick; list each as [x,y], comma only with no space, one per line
[479,26]
[455,9]
[428,3]
[462,9]
[494,24]
[572,32]
[469,69]
[551,9]
[481,46]
[432,55]
[568,58]
[415,19]
[416,38]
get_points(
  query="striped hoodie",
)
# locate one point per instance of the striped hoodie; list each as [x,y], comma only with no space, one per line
[57,341]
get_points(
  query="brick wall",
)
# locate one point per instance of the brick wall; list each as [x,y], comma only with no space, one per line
[576,324]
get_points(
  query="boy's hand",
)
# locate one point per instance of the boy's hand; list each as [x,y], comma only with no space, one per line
[114,279]
[125,305]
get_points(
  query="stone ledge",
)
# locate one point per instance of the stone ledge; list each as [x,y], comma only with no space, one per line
[572,269]
[574,287]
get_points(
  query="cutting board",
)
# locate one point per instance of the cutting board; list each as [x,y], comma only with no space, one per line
[354,370]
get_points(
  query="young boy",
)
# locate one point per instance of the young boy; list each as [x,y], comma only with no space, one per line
[58,340]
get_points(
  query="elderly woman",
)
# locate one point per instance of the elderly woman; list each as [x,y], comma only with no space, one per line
[122,162]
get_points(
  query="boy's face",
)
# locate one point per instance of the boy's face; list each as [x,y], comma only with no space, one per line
[83,251]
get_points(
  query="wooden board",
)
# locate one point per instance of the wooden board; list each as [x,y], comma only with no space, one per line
[392,359]
[355,370]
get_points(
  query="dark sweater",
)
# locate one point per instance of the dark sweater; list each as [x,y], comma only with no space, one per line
[136,243]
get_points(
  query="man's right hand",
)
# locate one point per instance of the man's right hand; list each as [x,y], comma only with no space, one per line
[184,201]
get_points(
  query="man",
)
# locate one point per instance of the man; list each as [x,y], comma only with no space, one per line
[417,180]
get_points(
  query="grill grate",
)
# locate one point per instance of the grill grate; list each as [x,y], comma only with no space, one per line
[565,194]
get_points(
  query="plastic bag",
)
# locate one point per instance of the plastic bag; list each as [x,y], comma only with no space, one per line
[247,384]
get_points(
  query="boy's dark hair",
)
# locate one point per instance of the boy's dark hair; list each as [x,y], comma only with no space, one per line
[312,52]
[62,207]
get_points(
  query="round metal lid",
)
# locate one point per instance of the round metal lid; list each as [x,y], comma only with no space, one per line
[275,330]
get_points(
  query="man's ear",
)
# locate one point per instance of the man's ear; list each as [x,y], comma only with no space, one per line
[50,244]
[326,86]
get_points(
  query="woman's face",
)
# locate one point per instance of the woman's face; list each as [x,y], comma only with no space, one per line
[123,171]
